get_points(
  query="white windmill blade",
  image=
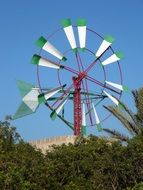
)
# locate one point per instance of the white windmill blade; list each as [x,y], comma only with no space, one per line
[47,46]
[38,60]
[99,128]
[118,86]
[113,58]
[59,108]
[113,99]
[42,98]
[83,115]
[83,127]
[108,40]
[68,29]
[81,26]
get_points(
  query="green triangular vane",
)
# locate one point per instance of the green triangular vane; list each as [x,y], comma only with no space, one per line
[24,87]
[22,111]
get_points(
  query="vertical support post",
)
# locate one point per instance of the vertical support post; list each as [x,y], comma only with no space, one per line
[77,106]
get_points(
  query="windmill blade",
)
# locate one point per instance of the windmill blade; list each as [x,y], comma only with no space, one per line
[83,128]
[68,29]
[113,58]
[113,99]
[38,60]
[99,128]
[22,111]
[81,26]
[118,86]
[59,108]
[47,46]
[108,40]
[42,98]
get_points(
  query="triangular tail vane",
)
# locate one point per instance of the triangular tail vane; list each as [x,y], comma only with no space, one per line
[108,40]
[24,87]
[113,58]
[22,111]
[47,46]
[118,86]
[81,26]
[68,29]
[59,108]
[31,98]
[38,60]
[98,125]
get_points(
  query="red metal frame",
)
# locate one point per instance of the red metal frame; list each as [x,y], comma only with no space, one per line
[77,103]
[77,106]
[77,82]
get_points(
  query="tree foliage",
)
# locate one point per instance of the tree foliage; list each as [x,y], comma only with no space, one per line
[133,122]
[89,164]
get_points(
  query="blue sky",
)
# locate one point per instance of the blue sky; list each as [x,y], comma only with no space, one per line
[22,22]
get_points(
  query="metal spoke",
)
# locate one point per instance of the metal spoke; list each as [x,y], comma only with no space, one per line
[101,84]
[85,88]
[64,93]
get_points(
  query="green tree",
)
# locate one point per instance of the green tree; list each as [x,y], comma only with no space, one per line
[21,166]
[138,186]
[90,164]
[133,122]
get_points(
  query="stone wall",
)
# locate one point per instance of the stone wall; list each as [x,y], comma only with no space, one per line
[45,144]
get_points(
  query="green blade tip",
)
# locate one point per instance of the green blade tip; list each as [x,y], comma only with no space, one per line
[120,106]
[41,42]
[41,99]
[119,55]
[53,115]
[75,50]
[83,49]
[125,88]
[64,59]
[81,22]
[35,59]
[109,39]
[66,22]
[99,128]
[83,130]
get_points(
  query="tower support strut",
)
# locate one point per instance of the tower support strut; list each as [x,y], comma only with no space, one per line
[77,106]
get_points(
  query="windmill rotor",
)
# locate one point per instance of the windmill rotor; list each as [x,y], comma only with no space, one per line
[86,75]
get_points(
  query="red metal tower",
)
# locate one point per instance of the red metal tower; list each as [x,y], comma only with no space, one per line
[77,106]
[77,103]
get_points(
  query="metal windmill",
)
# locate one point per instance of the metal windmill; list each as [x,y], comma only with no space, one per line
[88,75]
